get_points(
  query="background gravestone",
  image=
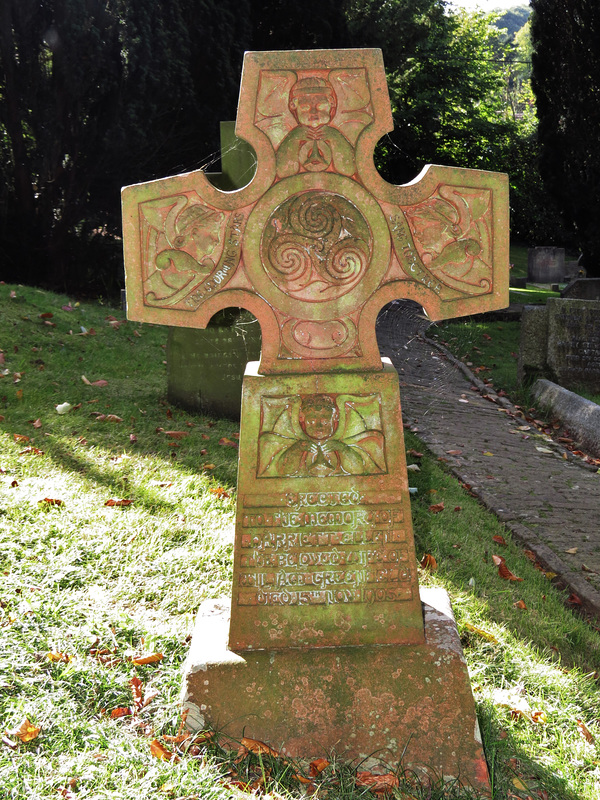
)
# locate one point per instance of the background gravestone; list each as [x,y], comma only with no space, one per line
[205,368]
[546,264]
[327,641]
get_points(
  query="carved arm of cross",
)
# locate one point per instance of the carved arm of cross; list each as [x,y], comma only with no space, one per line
[317,243]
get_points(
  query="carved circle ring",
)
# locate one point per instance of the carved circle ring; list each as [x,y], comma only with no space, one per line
[316,246]
[317,242]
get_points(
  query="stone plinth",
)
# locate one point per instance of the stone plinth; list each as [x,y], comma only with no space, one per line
[546,264]
[408,704]
[324,551]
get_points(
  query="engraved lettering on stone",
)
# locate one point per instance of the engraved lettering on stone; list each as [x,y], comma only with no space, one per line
[321,435]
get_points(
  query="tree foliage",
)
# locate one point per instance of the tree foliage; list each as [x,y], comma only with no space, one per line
[566,82]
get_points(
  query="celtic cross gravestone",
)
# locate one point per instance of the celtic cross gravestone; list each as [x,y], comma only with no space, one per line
[329,642]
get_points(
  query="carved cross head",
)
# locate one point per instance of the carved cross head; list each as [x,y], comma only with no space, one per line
[317,242]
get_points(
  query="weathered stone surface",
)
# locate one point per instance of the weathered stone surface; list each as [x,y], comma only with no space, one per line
[546,264]
[580,417]
[574,342]
[533,349]
[324,546]
[388,702]
[582,289]
[317,243]
[205,368]
[325,589]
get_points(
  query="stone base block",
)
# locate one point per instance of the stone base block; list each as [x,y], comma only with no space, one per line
[395,703]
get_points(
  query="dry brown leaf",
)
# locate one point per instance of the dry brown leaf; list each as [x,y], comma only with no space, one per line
[55,656]
[31,451]
[228,442]
[207,466]
[584,731]
[133,438]
[205,436]
[158,750]
[500,540]
[112,418]
[255,746]
[414,453]
[428,562]
[26,731]
[116,502]
[135,685]
[503,570]
[150,659]
[220,492]
[520,604]
[117,713]
[436,508]
[317,766]
[19,437]
[378,783]
[37,423]
[177,434]
[454,452]
[51,501]
[46,315]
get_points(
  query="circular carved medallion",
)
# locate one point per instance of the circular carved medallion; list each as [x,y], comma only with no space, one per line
[316,246]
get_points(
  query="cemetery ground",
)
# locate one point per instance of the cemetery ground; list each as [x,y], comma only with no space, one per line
[116,521]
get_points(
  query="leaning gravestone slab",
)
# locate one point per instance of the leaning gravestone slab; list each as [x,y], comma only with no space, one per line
[582,289]
[574,342]
[326,642]
[546,264]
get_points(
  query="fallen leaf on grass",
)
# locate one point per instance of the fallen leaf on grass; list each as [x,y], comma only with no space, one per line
[46,315]
[100,382]
[51,501]
[205,436]
[37,423]
[584,731]
[207,466]
[428,562]
[31,451]
[503,570]
[14,484]
[19,437]
[158,750]
[574,600]
[220,492]
[480,632]
[378,783]
[228,442]
[500,540]
[317,766]
[57,657]
[436,508]
[133,438]
[520,604]
[177,434]
[116,502]
[150,659]
[254,746]
[118,713]
[414,454]
[26,731]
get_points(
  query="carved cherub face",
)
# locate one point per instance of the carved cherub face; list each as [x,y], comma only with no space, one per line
[319,417]
[313,102]
[198,231]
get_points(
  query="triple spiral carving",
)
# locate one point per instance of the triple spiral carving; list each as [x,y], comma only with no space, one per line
[316,246]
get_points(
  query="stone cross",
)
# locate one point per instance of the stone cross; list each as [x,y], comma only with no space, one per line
[314,246]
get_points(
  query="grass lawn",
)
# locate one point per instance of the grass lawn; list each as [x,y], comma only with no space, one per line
[116,522]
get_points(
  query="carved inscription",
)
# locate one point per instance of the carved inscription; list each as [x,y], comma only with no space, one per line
[321,435]
[321,557]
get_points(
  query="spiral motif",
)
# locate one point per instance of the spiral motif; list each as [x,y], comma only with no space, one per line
[346,260]
[312,215]
[289,256]
[316,246]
